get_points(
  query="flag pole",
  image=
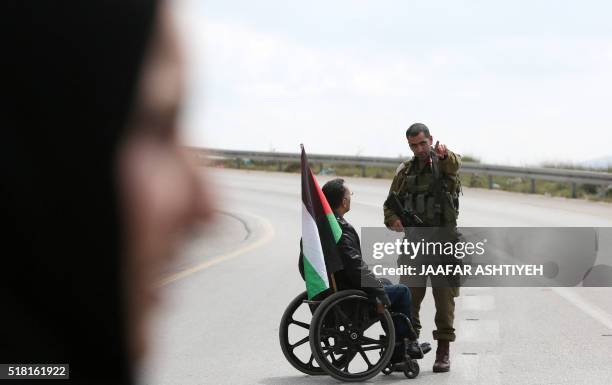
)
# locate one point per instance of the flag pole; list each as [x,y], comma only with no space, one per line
[333,279]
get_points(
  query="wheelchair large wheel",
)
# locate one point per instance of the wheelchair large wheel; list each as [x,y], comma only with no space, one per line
[348,339]
[302,360]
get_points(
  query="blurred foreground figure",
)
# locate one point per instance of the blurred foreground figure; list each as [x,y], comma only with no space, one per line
[96,194]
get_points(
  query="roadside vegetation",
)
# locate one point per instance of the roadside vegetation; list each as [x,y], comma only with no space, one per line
[519,185]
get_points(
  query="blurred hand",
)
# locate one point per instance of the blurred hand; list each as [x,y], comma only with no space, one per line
[380,308]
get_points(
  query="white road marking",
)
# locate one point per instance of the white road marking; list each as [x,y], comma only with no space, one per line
[482,330]
[593,311]
[268,234]
[478,303]
[471,364]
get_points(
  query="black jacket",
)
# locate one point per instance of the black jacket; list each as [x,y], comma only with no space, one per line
[355,274]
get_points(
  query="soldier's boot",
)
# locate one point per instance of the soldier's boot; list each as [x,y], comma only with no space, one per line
[442,363]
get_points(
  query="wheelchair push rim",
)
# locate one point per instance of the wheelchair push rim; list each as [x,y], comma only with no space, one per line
[339,337]
[306,365]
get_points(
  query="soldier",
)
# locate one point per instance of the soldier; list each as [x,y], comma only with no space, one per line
[428,185]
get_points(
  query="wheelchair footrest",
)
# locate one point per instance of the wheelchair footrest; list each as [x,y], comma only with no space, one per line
[417,351]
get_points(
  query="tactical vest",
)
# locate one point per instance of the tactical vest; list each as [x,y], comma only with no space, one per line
[432,196]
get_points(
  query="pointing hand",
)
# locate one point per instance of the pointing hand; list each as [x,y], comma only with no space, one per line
[441,150]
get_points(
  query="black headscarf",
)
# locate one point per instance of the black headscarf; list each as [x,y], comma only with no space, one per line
[70,82]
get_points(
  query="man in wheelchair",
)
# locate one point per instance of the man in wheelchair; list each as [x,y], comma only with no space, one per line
[357,275]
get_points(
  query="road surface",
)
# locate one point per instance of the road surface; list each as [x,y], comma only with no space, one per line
[224,300]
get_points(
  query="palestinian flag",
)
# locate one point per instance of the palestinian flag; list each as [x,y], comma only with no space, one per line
[320,234]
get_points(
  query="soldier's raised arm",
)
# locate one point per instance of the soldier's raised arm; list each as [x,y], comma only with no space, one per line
[450,164]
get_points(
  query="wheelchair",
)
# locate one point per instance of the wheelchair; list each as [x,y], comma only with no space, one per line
[345,337]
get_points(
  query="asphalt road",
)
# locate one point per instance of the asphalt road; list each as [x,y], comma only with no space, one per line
[224,300]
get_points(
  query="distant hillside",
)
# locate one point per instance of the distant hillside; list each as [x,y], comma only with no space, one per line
[603,162]
[597,164]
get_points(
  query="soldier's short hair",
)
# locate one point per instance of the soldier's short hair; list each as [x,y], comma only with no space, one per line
[334,192]
[416,129]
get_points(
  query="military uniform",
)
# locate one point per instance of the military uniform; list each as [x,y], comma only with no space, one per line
[431,191]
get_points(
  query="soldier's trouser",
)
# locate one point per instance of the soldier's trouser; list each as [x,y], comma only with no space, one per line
[444,298]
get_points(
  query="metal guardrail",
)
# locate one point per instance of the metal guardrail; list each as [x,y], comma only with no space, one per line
[573,177]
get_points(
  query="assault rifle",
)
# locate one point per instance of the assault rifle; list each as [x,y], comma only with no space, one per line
[406,216]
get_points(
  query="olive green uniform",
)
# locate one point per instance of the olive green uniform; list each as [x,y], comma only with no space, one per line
[437,205]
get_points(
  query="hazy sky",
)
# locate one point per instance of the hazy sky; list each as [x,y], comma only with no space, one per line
[511,82]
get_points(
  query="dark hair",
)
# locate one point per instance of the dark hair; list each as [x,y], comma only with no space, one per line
[50,288]
[416,129]
[334,192]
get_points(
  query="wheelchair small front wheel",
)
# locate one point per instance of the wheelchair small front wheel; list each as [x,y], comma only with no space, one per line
[412,369]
